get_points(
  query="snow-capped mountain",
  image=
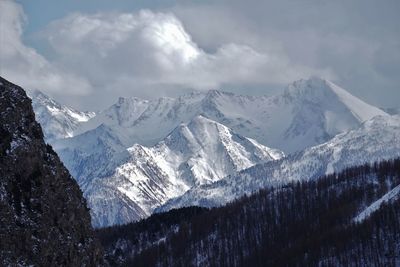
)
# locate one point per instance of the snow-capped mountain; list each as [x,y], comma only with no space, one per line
[195,153]
[58,121]
[376,139]
[164,145]
[307,113]
[320,110]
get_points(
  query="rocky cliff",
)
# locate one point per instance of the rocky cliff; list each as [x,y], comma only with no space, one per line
[44,220]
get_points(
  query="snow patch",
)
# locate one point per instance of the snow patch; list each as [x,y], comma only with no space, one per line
[392,195]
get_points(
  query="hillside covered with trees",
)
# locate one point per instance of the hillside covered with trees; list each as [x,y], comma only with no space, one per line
[312,223]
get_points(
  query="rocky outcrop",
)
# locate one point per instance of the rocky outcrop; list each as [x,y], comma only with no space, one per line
[44,220]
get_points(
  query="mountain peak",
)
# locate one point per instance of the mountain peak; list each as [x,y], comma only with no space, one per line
[325,93]
[58,121]
[306,87]
[40,97]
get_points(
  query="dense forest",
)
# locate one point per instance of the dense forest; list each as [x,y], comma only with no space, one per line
[310,223]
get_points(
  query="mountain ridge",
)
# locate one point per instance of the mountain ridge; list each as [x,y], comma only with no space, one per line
[58,121]
[310,112]
[198,152]
[376,139]
[306,114]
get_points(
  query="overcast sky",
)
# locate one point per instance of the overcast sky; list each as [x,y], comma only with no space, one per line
[87,53]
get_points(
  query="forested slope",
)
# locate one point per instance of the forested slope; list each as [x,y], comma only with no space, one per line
[301,224]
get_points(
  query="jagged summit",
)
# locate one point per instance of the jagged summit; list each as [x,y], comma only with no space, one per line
[203,134]
[58,121]
[40,98]
[198,152]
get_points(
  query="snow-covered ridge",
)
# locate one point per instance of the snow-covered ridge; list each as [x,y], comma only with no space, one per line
[195,153]
[58,121]
[376,139]
[123,113]
[137,154]
[307,113]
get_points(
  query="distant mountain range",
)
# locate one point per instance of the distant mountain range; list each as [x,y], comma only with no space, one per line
[207,148]
[306,113]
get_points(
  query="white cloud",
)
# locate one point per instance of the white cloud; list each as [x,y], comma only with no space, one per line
[22,64]
[147,53]
[233,45]
[153,49]
[357,40]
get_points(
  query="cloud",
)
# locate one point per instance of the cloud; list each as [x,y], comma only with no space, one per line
[246,47]
[357,40]
[23,65]
[153,50]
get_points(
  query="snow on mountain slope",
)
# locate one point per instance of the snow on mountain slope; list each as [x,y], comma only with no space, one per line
[205,151]
[199,152]
[316,89]
[392,195]
[58,121]
[307,113]
[122,114]
[93,154]
[320,111]
[376,139]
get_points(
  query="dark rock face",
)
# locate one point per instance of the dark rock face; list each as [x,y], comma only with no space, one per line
[44,220]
